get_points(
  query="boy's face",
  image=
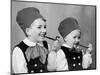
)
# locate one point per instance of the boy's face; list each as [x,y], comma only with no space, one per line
[37,30]
[73,38]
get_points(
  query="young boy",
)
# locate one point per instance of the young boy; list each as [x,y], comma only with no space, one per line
[29,56]
[68,57]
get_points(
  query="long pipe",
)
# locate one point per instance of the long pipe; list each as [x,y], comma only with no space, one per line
[59,37]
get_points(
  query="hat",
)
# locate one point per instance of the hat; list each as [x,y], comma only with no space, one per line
[68,25]
[26,16]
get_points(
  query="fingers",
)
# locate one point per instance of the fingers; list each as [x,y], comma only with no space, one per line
[83,52]
[55,45]
[89,47]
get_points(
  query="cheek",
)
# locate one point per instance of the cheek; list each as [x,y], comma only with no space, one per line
[35,32]
[77,40]
[72,40]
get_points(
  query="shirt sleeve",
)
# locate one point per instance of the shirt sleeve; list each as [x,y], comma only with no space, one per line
[61,61]
[52,61]
[87,60]
[18,61]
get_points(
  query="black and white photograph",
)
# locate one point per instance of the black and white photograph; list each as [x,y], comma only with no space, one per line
[48,37]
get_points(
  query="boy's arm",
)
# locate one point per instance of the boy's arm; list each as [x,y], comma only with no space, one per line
[87,60]
[52,61]
[52,56]
[57,61]
[18,61]
[87,57]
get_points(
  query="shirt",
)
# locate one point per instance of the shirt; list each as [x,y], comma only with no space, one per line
[18,60]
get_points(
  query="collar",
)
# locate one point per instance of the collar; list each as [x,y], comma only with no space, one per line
[28,42]
[40,44]
[65,45]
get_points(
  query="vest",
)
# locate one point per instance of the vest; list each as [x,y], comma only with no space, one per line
[74,58]
[34,65]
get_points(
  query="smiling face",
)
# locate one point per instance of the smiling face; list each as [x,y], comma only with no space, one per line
[37,30]
[73,38]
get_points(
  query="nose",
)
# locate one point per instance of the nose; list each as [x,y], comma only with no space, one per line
[44,30]
[77,40]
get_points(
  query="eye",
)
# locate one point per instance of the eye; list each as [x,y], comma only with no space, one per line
[79,37]
[39,27]
[74,37]
[45,26]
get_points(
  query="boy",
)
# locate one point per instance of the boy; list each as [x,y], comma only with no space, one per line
[68,57]
[28,56]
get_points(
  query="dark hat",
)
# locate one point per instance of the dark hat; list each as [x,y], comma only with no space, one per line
[26,16]
[68,25]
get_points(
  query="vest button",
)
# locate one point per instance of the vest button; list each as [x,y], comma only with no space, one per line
[78,57]
[74,58]
[79,63]
[32,71]
[41,70]
[74,65]
[35,65]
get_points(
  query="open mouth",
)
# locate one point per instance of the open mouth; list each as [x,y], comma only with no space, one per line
[42,34]
[77,43]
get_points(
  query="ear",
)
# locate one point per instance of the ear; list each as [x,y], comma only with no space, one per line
[28,31]
[66,38]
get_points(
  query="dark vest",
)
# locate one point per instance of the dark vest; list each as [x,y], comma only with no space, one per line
[74,58]
[34,65]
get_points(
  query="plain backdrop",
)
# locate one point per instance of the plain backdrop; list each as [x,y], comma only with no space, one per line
[5,37]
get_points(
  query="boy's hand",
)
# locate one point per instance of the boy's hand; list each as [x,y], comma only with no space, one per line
[89,48]
[56,45]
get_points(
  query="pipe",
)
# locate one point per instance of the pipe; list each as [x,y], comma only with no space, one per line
[54,39]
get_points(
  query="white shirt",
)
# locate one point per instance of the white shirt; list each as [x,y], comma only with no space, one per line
[62,63]
[57,61]
[18,60]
